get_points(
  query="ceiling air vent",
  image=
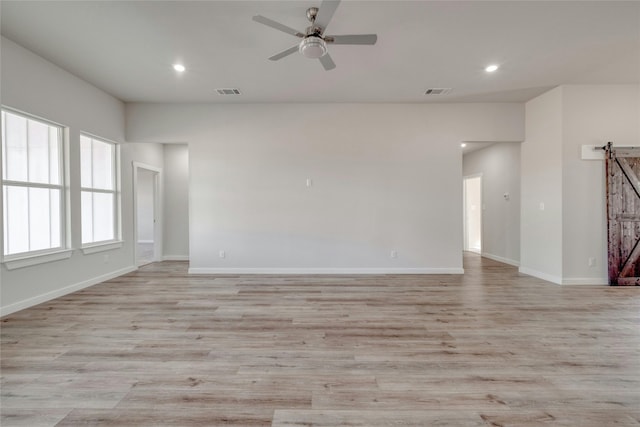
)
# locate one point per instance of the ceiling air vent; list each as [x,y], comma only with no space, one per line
[231,91]
[438,91]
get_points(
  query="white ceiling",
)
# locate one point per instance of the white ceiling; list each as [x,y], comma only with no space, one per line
[127,47]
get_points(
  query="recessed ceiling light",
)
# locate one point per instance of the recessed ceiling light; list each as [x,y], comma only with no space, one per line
[463,145]
[491,68]
[179,67]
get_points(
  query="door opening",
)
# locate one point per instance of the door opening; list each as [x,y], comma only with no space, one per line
[473,213]
[147,227]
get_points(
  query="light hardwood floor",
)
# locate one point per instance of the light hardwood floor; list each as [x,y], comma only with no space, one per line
[490,348]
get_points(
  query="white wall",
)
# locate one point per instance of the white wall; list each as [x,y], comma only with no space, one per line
[34,85]
[499,165]
[591,115]
[541,183]
[176,202]
[385,178]
[31,84]
[558,242]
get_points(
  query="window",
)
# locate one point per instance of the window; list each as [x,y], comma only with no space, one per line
[32,186]
[98,190]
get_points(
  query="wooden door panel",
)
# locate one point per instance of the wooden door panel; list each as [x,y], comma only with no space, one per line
[623,215]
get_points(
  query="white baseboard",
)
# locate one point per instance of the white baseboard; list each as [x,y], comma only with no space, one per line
[540,275]
[512,262]
[592,281]
[175,257]
[145,241]
[30,302]
[337,271]
[598,281]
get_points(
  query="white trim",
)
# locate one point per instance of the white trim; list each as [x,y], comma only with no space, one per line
[62,187]
[30,302]
[540,275]
[144,242]
[101,247]
[473,175]
[596,281]
[27,261]
[143,263]
[115,178]
[32,116]
[146,166]
[503,260]
[98,137]
[157,208]
[303,271]
[27,184]
[584,281]
[175,257]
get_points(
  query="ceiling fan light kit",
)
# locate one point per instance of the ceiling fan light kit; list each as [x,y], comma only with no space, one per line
[314,43]
[313,47]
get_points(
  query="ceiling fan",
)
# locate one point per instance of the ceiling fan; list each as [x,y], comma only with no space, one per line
[314,41]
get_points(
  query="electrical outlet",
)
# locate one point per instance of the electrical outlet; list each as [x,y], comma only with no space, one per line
[394,254]
[222,254]
[541,206]
[592,262]
[309,182]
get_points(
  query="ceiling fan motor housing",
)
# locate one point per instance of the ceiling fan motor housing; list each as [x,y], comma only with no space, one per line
[312,12]
[313,47]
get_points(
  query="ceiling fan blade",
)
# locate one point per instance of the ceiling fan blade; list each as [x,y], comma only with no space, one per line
[327,62]
[353,39]
[278,26]
[325,13]
[284,53]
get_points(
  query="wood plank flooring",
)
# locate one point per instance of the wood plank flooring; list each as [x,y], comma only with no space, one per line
[490,348]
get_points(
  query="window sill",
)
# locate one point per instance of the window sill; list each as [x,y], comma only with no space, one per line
[27,261]
[101,247]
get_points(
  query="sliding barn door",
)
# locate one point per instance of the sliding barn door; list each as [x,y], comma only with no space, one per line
[623,215]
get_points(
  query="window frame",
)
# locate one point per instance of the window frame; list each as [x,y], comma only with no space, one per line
[116,241]
[32,257]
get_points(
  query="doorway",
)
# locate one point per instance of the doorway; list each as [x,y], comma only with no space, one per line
[472,192]
[146,181]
